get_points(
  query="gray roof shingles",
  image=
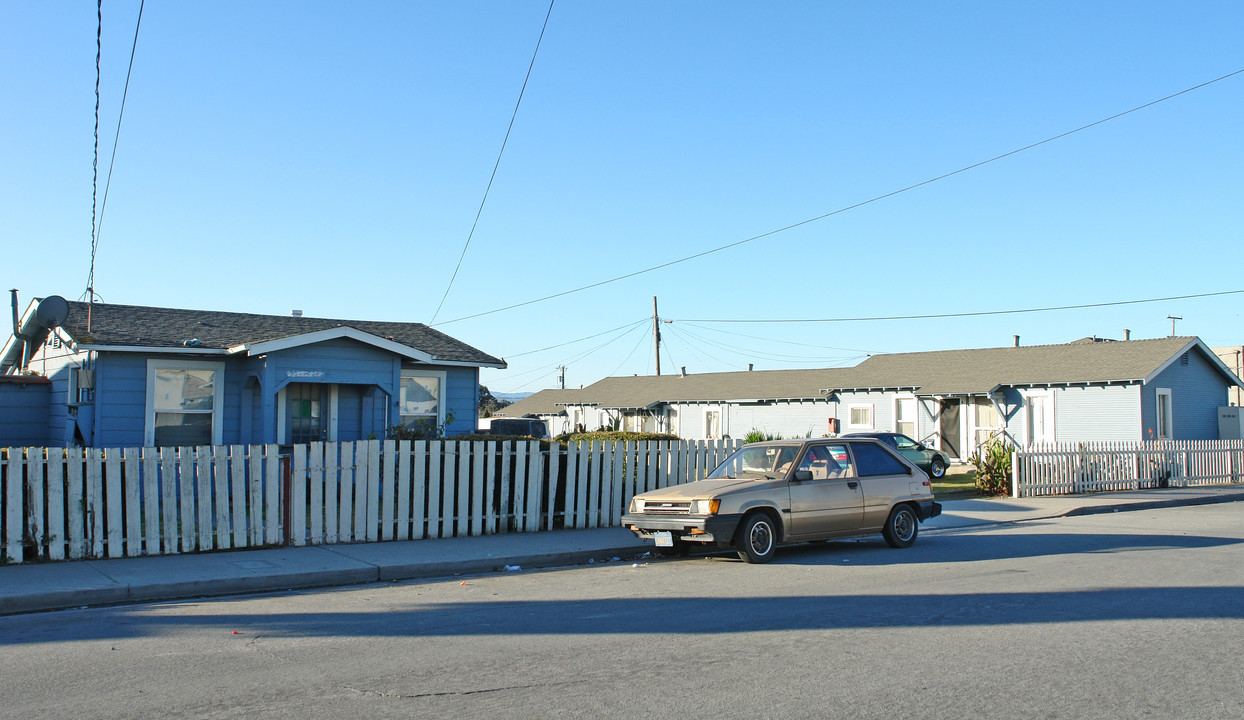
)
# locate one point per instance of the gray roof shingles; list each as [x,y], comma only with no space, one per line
[138,326]
[943,372]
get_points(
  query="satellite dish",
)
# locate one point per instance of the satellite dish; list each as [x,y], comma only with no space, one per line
[52,311]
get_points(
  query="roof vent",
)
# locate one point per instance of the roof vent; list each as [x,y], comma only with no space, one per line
[295,313]
[1016,340]
[1127,334]
[749,367]
[684,370]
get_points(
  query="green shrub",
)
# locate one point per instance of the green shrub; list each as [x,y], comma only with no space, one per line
[993,467]
[755,435]
[616,436]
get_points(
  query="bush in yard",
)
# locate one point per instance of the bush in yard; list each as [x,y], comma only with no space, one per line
[616,436]
[993,467]
[755,435]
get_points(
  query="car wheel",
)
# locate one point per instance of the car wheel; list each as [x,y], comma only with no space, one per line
[757,539]
[937,468]
[901,527]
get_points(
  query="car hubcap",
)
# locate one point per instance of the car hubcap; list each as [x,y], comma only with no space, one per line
[904,524]
[761,538]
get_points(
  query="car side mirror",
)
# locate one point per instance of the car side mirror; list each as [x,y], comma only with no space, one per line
[802,475]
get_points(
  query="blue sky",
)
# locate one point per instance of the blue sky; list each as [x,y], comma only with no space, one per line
[331,157]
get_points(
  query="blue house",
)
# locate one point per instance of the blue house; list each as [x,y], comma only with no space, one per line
[130,376]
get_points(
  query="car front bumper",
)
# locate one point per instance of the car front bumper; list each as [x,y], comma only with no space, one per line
[691,528]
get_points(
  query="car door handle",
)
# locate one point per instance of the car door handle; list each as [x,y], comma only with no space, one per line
[853,484]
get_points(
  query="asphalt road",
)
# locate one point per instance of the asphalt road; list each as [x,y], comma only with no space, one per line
[1127,615]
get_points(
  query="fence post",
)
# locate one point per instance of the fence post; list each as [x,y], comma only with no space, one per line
[1014,474]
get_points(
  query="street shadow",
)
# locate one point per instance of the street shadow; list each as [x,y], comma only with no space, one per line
[965,547]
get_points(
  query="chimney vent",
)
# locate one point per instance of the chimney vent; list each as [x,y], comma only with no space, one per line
[749,367]
[1127,334]
[295,313]
[1016,340]
[684,370]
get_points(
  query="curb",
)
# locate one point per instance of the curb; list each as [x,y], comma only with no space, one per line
[191,589]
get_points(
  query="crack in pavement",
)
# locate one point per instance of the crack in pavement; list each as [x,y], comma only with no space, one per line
[451,693]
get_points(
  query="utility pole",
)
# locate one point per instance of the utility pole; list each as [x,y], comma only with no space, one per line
[1172,318]
[561,375]
[656,333]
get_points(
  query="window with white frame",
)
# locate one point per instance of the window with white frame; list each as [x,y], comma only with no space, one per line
[184,403]
[421,398]
[671,420]
[860,416]
[986,419]
[712,425]
[1166,423]
[905,416]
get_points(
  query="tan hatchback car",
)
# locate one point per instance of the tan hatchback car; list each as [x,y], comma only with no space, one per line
[773,493]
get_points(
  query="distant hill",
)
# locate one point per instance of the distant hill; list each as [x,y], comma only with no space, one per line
[511,397]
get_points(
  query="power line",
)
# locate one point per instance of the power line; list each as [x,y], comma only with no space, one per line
[99,51]
[785,342]
[572,342]
[982,313]
[98,227]
[496,165]
[847,208]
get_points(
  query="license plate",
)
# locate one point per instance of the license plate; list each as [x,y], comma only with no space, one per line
[663,539]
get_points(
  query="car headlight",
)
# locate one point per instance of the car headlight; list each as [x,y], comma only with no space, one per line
[705,507]
[637,505]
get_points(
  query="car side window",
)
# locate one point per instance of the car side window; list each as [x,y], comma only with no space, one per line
[905,443]
[826,462]
[889,440]
[874,460]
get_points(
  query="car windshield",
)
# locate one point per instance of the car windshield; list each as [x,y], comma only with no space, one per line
[765,460]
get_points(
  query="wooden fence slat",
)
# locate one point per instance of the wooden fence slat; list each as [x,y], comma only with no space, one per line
[36,524]
[332,493]
[170,528]
[56,504]
[503,507]
[238,495]
[570,513]
[593,483]
[372,475]
[583,484]
[418,494]
[345,491]
[316,468]
[76,516]
[535,481]
[274,491]
[220,496]
[150,462]
[462,489]
[132,510]
[254,492]
[389,488]
[520,486]
[298,496]
[403,489]
[14,501]
[435,478]
[479,459]
[492,468]
[554,466]
[619,483]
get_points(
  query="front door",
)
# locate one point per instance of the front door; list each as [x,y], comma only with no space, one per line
[948,427]
[306,406]
[832,500]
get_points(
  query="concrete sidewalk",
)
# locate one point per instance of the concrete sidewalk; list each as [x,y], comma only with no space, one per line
[53,586]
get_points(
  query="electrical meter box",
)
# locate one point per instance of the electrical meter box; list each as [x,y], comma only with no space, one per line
[1230,423]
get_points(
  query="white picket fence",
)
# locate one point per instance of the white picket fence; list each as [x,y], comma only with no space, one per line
[1061,469]
[58,503]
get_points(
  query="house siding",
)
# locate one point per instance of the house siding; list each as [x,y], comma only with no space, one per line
[1110,412]
[1197,391]
[788,418]
[24,421]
